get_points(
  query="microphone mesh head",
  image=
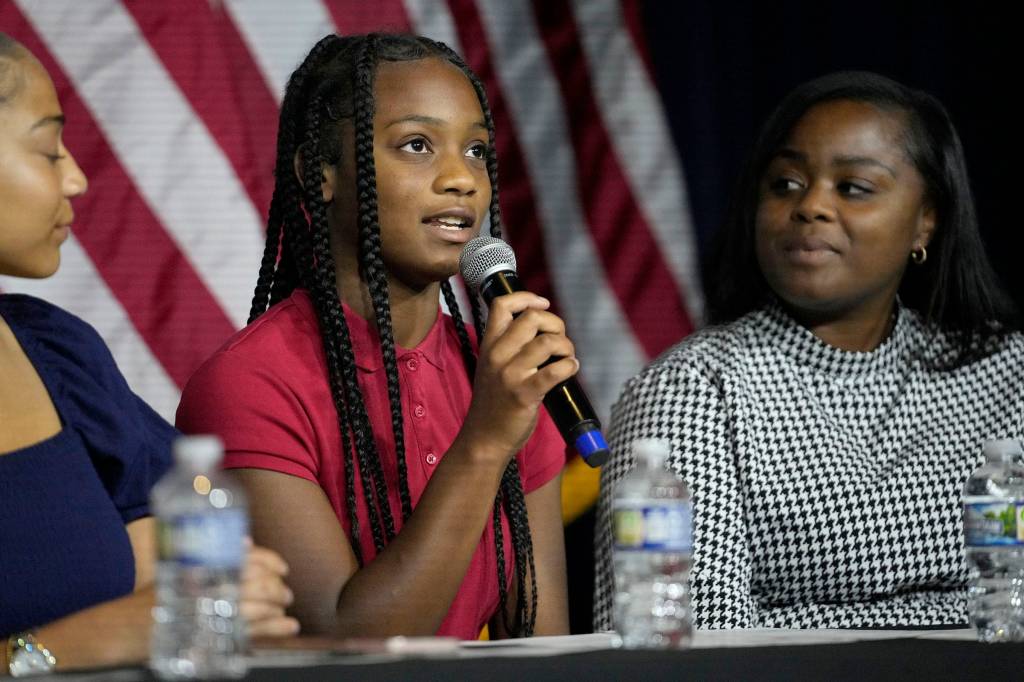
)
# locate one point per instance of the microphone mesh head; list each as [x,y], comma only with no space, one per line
[482,256]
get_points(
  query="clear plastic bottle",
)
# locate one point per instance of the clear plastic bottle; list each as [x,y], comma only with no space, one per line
[994,540]
[653,546]
[202,523]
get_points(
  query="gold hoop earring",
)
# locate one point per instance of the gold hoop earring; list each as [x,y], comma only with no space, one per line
[919,256]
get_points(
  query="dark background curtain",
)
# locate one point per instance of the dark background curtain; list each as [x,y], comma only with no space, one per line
[723,66]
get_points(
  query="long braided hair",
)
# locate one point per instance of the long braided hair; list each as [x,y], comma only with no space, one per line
[334,84]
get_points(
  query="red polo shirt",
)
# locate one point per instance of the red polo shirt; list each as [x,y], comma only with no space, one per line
[265,393]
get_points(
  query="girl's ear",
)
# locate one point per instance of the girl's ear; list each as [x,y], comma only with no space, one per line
[326,180]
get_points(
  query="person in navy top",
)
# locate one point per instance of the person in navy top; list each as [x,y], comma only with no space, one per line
[66,501]
[79,452]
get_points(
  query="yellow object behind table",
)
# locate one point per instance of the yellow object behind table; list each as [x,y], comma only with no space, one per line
[580,483]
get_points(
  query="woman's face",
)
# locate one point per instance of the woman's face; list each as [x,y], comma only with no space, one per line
[433,192]
[841,208]
[38,175]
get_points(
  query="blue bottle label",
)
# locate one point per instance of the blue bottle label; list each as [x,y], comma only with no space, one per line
[993,522]
[661,527]
[208,540]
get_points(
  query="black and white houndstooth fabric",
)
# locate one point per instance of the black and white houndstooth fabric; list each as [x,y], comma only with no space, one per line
[826,483]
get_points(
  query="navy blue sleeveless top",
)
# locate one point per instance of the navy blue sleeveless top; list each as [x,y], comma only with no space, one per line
[64,502]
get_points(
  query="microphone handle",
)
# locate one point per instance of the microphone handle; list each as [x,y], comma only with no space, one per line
[567,403]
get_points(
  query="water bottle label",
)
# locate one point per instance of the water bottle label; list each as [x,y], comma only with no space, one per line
[993,522]
[653,527]
[210,540]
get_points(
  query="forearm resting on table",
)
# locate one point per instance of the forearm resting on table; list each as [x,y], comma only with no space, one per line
[408,588]
[113,633]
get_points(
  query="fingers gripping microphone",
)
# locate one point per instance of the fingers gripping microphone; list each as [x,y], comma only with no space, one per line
[489,266]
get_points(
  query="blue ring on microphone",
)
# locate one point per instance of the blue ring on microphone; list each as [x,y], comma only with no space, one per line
[589,443]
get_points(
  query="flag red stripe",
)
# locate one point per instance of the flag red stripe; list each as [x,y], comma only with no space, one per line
[167,303]
[358,16]
[518,206]
[636,269]
[198,44]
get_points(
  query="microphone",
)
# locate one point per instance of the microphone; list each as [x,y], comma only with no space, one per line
[489,266]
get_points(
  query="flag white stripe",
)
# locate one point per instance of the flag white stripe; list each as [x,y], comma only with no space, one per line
[164,147]
[635,120]
[103,311]
[280,35]
[604,338]
[432,19]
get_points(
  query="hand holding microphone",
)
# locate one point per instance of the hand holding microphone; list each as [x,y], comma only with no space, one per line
[488,265]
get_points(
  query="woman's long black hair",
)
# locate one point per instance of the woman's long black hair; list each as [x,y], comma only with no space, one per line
[956,288]
[335,83]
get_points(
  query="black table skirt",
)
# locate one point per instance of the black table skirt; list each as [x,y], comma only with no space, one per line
[891,659]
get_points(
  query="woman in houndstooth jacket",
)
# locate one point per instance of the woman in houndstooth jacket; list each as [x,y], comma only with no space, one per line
[862,352]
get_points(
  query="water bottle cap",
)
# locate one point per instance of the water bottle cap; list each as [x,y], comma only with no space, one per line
[997,450]
[653,451]
[198,452]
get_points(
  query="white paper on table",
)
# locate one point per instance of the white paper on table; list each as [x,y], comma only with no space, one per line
[538,646]
[713,639]
[702,639]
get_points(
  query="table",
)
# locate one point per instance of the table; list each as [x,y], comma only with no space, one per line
[730,655]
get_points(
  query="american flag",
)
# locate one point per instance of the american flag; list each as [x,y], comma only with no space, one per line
[172,113]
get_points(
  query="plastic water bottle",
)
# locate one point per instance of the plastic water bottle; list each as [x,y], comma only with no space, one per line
[653,520]
[994,540]
[202,522]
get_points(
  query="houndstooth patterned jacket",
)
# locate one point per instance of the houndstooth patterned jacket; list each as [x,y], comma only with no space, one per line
[826,483]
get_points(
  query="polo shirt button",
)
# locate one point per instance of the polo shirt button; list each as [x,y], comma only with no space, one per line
[431,458]
[419,411]
[413,364]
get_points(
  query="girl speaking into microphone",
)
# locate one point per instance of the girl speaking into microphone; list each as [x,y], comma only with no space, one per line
[401,463]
